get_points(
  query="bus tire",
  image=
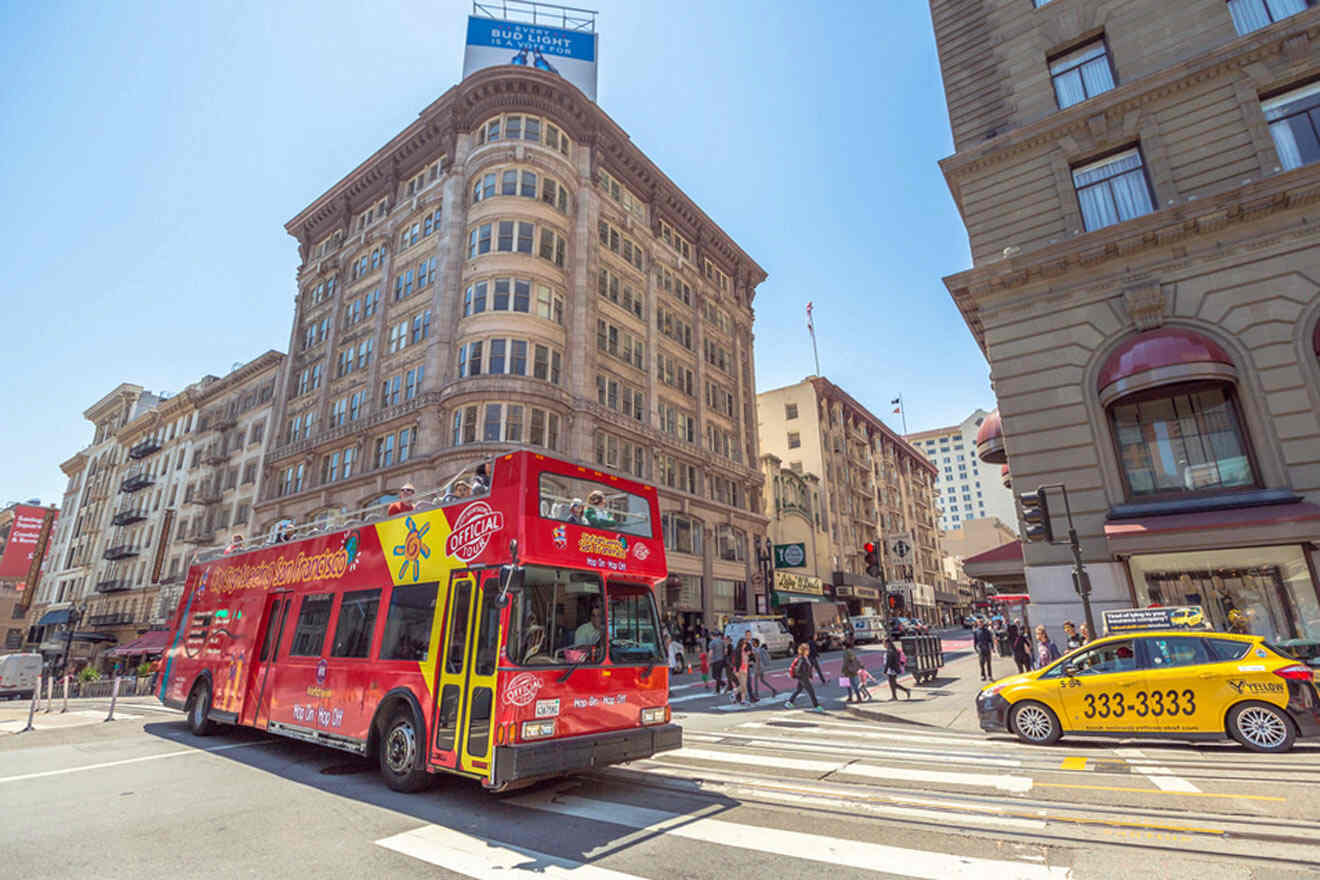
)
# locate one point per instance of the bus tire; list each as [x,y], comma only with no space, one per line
[401,745]
[198,708]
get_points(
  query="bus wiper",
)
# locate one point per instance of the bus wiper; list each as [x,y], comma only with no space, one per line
[570,670]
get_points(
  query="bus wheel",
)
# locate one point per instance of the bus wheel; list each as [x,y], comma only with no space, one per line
[199,706]
[400,759]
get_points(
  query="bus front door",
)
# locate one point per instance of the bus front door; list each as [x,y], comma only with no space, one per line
[466,681]
[256,699]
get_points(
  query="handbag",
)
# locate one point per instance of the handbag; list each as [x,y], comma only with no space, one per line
[844,682]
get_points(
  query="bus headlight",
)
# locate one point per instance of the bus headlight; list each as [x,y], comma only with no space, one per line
[537,729]
[655,715]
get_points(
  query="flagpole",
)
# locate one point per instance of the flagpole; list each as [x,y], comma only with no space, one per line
[903,412]
[811,328]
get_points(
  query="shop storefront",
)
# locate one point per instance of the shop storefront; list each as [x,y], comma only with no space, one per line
[864,601]
[681,606]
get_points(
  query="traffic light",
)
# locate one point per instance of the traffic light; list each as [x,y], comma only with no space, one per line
[872,560]
[895,601]
[1036,516]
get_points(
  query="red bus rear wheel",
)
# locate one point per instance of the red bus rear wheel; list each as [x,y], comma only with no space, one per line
[199,707]
[400,758]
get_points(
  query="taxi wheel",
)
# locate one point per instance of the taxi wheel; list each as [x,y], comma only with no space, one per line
[1035,723]
[1261,727]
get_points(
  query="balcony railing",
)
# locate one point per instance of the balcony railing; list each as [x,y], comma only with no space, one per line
[201,538]
[128,517]
[115,619]
[208,497]
[112,586]
[213,457]
[120,551]
[223,423]
[144,448]
[135,482]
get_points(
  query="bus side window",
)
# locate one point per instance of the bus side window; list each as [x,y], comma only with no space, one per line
[357,623]
[313,621]
[408,624]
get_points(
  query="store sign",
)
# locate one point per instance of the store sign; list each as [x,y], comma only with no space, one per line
[788,582]
[790,555]
[568,53]
[1173,617]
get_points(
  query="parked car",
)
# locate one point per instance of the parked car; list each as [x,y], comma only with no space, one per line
[770,630]
[867,628]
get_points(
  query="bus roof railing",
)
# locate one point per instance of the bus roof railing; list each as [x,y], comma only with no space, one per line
[372,513]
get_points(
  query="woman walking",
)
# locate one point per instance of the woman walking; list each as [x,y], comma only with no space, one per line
[850,670]
[893,669]
[1021,647]
[800,670]
[1046,651]
[762,664]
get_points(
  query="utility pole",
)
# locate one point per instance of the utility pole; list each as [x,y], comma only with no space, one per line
[1036,518]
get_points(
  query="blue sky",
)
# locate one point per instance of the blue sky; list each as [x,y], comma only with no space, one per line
[154,151]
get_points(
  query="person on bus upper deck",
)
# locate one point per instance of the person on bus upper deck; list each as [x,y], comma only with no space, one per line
[481,482]
[458,490]
[576,512]
[234,544]
[596,514]
[283,531]
[404,502]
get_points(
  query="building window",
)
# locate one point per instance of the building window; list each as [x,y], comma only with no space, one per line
[1082,73]
[794,440]
[790,411]
[1252,15]
[682,534]
[504,422]
[1181,440]
[1112,190]
[1294,119]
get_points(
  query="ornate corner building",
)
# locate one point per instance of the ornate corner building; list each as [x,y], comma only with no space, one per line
[510,270]
[1139,184]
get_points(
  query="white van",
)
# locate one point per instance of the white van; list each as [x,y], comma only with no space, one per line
[867,628]
[18,675]
[770,630]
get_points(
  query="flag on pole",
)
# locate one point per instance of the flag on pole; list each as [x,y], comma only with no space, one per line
[897,404]
[809,324]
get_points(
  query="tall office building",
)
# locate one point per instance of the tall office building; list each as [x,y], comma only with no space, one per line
[968,487]
[1138,181]
[510,270]
[876,488]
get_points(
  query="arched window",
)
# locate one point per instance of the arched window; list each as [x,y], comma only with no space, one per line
[1171,400]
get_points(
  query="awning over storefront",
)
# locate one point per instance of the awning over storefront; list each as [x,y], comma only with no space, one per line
[1269,524]
[153,642]
[58,617]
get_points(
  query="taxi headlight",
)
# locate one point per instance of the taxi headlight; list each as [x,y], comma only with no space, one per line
[538,729]
[654,715]
[991,690]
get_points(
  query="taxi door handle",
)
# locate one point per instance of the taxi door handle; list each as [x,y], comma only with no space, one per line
[1208,675]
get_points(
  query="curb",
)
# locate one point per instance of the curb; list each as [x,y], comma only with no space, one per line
[873,715]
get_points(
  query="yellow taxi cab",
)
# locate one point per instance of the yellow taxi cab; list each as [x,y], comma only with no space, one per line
[1174,683]
[1187,617]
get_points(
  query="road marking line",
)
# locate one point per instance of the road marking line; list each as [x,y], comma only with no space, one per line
[1130,753]
[1209,794]
[67,770]
[685,698]
[793,844]
[859,731]
[754,760]
[479,858]
[1073,764]
[1164,778]
[1003,782]
[859,752]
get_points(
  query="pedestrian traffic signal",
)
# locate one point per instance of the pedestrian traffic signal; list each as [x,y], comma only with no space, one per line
[872,560]
[1036,516]
[895,602]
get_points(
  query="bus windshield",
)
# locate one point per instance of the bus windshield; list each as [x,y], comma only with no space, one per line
[557,617]
[589,503]
[634,633]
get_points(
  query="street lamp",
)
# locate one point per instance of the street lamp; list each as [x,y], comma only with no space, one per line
[765,561]
[75,617]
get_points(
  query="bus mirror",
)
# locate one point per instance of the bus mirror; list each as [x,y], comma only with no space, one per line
[506,573]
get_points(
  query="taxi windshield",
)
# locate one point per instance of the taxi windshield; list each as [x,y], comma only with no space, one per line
[557,617]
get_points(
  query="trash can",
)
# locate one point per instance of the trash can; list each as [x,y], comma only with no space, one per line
[925,656]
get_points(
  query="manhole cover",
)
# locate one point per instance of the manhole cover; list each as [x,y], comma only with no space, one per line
[346,769]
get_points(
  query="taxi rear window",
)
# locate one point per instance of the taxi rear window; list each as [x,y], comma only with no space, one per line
[1227,649]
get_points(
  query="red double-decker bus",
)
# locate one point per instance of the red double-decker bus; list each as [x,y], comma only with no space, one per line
[504,629]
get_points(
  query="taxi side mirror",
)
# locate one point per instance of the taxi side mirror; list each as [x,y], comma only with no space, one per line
[1070,671]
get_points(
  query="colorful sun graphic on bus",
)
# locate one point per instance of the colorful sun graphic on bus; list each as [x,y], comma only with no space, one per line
[413,549]
[352,543]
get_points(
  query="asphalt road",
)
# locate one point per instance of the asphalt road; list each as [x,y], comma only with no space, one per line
[755,792]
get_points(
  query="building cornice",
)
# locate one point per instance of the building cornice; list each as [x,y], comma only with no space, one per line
[253,368]
[470,103]
[1108,109]
[110,403]
[826,389]
[1208,223]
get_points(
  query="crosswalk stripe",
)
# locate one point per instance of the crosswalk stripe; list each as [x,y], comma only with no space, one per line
[793,844]
[1164,778]
[887,773]
[811,745]
[479,858]
[910,735]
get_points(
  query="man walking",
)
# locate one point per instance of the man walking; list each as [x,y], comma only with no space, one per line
[716,651]
[762,665]
[984,642]
[813,654]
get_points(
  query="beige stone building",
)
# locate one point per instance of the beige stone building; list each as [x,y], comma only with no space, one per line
[164,477]
[795,504]
[1137,180]
[876,487]
[968,487]
[510,270]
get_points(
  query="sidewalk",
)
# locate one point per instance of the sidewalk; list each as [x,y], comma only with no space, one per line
[947,702]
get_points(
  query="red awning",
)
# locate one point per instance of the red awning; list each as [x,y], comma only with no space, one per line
[1011,598]
[153,642]
[1009,552]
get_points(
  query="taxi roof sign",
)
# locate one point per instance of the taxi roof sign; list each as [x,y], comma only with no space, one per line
[1191,617]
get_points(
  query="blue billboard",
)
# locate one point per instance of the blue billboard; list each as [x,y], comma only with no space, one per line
[569,53]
